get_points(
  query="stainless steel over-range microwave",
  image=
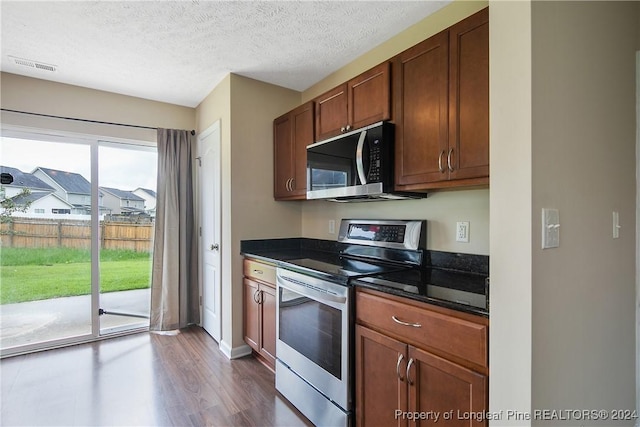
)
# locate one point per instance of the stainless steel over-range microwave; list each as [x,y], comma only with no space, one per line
[354,166]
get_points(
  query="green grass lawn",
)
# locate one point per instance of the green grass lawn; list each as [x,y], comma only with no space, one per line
[36,274]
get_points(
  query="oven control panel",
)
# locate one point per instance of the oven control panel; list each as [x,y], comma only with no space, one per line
[400,234]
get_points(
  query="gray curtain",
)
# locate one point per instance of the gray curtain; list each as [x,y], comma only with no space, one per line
[174,279]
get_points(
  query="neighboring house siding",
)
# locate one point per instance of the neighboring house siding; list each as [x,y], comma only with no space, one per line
[121,202]
[69,186]
[48,206]
[42,205]
[149,197]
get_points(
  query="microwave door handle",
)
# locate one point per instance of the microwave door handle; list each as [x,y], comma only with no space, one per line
[359,157]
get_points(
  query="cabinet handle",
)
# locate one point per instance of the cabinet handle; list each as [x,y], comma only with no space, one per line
[348,128]
[289,184]
[403,323]
[449,159]
[440,162]
[408,374]
[400,357]
[342,129]
[255,297]
[293,180]
[257,271]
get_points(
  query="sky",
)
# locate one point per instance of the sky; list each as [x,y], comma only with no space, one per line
[121,168]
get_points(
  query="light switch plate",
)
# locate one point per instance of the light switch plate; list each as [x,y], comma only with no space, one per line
[550,228]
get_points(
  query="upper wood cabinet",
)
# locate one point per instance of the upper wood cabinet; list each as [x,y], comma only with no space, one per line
[441,108]
[292,132]
[363,100]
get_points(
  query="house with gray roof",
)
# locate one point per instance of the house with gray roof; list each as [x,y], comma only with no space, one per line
[69,186]
[22,180]
[121,202]
[42,204]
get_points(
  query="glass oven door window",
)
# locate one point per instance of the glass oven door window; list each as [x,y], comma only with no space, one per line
[313,329]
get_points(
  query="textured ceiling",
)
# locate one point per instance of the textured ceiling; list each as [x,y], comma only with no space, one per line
[178,51]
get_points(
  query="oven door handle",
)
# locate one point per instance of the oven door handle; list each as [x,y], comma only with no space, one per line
[309,291]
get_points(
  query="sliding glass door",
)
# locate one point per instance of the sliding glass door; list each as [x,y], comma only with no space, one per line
[127,176]
[76,238]
[45,242]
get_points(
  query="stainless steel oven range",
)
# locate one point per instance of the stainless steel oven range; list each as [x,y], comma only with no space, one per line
[315,316]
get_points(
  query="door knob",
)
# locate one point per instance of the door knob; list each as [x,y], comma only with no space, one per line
[214,247]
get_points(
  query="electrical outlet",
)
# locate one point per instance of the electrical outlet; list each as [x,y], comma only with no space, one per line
[332,226]
[462,232]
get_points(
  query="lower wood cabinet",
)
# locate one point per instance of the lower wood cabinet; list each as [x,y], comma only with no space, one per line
[397,378]
[259,296]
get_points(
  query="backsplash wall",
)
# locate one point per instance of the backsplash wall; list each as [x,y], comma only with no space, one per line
[442,210]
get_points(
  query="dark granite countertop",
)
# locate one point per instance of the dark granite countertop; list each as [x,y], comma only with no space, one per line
[452,280]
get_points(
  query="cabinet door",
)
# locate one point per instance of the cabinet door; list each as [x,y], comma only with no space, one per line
[469,97]
[380,367]
[369,96]
[302,121]
[420,76]
[438,386]
[283,153]
[268,305]
[251,314]
[331,113]
[292,133]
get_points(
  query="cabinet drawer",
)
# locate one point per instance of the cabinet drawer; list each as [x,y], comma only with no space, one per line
[424,327]
[260,271]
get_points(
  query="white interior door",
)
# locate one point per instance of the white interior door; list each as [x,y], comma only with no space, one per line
[209,185]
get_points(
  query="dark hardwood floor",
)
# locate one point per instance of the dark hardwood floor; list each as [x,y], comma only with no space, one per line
[141,380]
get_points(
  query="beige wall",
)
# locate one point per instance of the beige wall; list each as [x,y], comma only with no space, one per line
[441,209]
[583,158]
[511,218]
[563,136]
[246,109]
[45,97]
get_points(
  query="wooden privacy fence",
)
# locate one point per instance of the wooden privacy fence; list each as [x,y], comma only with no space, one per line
[48,233]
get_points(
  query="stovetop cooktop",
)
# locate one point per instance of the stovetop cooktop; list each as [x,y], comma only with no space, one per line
[445,287]
[340,269]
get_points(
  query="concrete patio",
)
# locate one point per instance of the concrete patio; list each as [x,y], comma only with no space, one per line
[37,321]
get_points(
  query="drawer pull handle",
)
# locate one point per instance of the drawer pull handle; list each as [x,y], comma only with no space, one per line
[403,323]
[400,357]
[257,271]
[408,374]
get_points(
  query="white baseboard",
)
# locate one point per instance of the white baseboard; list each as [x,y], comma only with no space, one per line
[235,352]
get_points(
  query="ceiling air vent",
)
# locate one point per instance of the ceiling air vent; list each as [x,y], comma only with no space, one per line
[33,64]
